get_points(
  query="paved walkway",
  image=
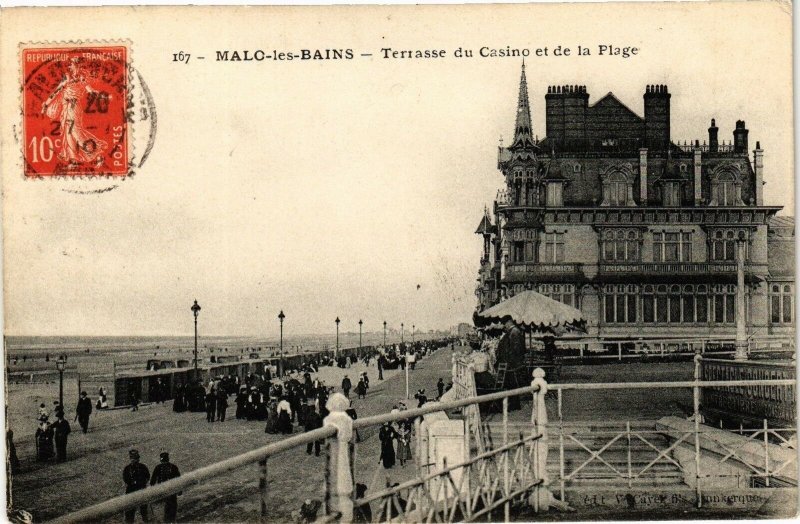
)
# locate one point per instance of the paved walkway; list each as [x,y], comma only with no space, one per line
[93,472]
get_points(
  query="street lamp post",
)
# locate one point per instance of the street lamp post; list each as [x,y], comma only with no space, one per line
[402,333]
[60,365]
[360,324]
[412,332]
[384,333]
[195,311]
[281,316]
[336,352]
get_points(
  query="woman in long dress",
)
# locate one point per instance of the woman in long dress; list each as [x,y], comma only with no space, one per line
[404,444]
[387,435]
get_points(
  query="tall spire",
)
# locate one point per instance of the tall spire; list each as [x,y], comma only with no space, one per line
[523,137]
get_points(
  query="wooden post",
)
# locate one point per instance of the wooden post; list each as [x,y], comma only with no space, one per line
[696,399]
[619,351]
[766,453]
[541,494]
[340,485]
[262,487]
[506,485]
[630,466]
[561,444]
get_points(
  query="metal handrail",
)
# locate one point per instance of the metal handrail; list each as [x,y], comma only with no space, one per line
[677,384]
[171,487]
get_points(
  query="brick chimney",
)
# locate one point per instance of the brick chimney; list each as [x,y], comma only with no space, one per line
[656,117]
[713,140]
[740,137]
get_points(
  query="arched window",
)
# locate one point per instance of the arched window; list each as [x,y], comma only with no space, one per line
[781,297]
[620,303]
[621,245]
[615,190]
[725,189]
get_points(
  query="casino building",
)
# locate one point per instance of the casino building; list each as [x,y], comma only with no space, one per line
[608,214]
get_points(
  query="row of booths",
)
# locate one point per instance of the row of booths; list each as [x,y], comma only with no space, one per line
[161,378]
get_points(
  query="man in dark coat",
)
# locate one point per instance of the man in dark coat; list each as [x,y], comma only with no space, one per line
[83,410]
[61,430]
[162,473]
[211,405]
[222,404]
[313,421]
[511,350]
[440,387]
[136,476]
[346,385]
[381,362]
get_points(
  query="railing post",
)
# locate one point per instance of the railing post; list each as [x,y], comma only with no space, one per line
[340,485]
[696,402]
[561,443]
[541,495]
[766,453]
[506,485]
[262,487]
[619,351]
[630,466]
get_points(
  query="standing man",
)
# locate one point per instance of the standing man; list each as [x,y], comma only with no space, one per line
[135,475]
[211,405]
[313,421]
[380,366]
[346,385]
[222,405]
[440,387]
[162,473]
[61,429]
[511,350]
[83,410]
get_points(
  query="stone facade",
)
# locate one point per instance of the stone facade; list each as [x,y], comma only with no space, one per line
[607,213]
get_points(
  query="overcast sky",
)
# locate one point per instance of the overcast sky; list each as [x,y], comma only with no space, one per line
[347,189]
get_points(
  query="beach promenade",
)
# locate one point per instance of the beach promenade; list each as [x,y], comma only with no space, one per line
[93,471]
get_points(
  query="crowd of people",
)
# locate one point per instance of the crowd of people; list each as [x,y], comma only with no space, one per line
[295,400]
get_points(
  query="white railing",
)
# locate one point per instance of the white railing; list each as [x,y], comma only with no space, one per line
[521,461]
[689,432]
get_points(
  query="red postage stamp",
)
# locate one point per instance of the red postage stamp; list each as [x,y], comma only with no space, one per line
[75,110]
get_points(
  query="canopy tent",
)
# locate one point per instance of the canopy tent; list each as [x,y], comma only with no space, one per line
[533,311]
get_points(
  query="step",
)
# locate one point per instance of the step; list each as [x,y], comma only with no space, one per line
[620,482]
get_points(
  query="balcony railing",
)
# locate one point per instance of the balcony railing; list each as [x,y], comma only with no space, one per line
[667,267]
[544,268]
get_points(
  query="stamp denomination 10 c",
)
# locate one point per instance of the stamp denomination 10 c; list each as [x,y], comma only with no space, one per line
[75,110]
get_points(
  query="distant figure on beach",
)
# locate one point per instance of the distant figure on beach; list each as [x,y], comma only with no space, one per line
[284,416]
[381,362]
[134,401]
[83,410]
[102,400]
[440,387]
[44,436]
[211,405]
[346,385]
[163,472]
[387,435]
[222,405]
[61,430]
[313,421]
[361,388]
[136,476]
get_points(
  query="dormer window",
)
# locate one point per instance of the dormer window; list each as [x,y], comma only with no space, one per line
[672,193]
[555,193]
[576,168]
[617,184]
[726,187]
